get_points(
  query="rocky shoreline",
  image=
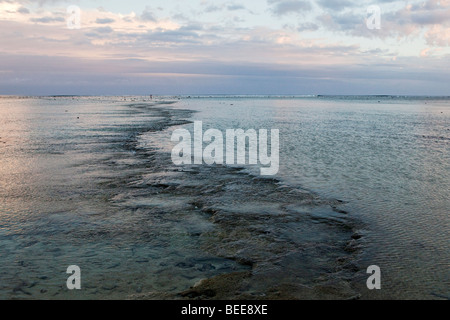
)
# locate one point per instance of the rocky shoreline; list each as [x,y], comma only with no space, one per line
[293,244]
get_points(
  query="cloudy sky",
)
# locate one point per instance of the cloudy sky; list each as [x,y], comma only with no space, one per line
[224,47]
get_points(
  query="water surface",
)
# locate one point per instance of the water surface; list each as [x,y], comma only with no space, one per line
[89,181]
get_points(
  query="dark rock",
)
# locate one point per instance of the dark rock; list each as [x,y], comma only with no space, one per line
[356,236]
[184,265]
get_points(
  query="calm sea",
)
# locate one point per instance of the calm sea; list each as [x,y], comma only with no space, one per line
[88,181]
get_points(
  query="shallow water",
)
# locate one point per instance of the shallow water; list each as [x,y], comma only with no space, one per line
[386,157]
[89,181]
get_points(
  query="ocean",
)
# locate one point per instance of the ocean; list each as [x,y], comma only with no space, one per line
[89,181]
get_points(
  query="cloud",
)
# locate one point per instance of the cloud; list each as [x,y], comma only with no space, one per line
[309,26]
[430,13]
[438,35]
[283,7]
[104,30]
[234,7]
[48,19]
[212,9]
[104,21]
[172,36]
[41,75]
[429,20]
[23,10]
[148,15]
[336,5]
[270,49]
[222,7]
[428,52]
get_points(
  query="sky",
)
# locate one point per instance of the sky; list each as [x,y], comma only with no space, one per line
[140,47]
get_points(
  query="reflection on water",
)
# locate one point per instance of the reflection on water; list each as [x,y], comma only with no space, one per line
[61,166]
[89,181]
